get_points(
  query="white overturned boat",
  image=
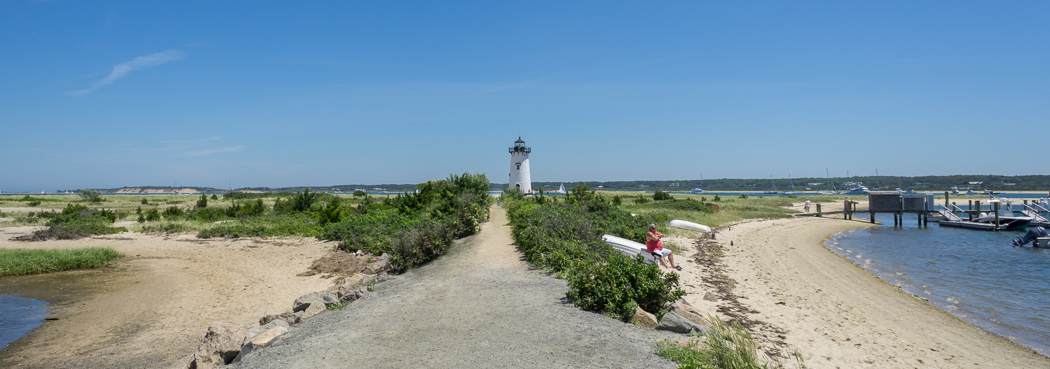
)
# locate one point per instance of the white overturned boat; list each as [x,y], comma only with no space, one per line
[628,247]
[689,225]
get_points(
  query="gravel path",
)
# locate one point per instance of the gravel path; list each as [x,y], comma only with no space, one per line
[477,306]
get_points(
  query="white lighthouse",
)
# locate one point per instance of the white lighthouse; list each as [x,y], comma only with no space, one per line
[519,167]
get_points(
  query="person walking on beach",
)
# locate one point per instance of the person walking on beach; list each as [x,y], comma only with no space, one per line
[807,205]
[654,246]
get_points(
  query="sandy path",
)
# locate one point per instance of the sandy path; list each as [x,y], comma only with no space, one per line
[149,309]
[837,314]
[479,306]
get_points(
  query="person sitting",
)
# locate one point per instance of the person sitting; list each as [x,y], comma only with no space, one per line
[654,246]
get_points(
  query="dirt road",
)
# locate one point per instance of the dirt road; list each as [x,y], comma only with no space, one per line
[477,306]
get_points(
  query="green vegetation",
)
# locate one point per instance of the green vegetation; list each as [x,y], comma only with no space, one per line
[91,196]
[76,221]
[727,346]
[566,238]
[23,262]
[414,227]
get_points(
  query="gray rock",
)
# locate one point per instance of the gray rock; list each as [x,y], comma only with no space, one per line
[350,285]
[330,298]
[690,312]
[380,265]
[289,317]
[675,322]
[219,346]
[307,300]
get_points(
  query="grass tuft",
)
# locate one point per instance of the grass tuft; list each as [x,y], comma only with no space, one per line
[23,262]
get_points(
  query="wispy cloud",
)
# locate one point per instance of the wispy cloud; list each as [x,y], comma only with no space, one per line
[214,151]
[121,70]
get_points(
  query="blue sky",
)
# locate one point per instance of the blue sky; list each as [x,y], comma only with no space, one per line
[109,94]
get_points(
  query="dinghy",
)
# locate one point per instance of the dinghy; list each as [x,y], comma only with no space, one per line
[689,225]
[628,247]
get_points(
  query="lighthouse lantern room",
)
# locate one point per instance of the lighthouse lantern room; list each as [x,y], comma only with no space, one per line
[519,166]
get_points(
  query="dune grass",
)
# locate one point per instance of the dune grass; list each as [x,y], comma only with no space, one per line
[33,261]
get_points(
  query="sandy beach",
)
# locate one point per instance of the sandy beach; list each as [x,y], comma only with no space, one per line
[149,309]
[796,294]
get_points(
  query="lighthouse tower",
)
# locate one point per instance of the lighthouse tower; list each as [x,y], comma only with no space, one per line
[519,166]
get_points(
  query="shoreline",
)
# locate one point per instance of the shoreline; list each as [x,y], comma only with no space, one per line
[150,308]
[833,311]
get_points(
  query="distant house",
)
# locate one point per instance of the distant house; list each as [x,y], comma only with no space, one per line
[976,183]
[814,184]
[1009,184]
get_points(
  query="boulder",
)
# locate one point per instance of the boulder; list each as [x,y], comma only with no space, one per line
[219,346]
[675,322]
[350,284]
[694,315]
[289,317]
[252,333]
[330,298]
[643,318]
[307,300]
[261,336]
[380,265]
[314,309]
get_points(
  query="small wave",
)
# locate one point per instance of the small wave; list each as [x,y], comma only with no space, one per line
[952,300]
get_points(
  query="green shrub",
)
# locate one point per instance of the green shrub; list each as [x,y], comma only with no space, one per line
[208,214]
[91,196]
[173,212]
[660,195]
[144,201]
[360,193]
[165,228]
[565,238]
[717,198]
[641,199]
[152,215]
[202,202]
[616,200]
[214,197]
[75,221]
[415,227]
[33,203]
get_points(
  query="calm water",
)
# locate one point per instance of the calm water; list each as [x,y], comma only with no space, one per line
[18,316]
[975,275]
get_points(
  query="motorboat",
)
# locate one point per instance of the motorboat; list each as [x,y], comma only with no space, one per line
[1006,217]
[697,191]
[1036,235]
[955,190]
[859,190]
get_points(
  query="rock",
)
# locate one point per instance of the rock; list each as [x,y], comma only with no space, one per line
[330,298]
[694,315]
[675,322]
[261,336]
[289,317]
[219,346]
[350,284]
[643,318]
[251,333]
[307,300]
[710,296]
[314,309]
[380,265]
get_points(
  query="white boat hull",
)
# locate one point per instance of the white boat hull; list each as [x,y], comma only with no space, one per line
[628,247]
[689,225]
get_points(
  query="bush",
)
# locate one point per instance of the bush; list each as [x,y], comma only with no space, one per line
[660,195]
[360,193]
[152,215]
[565,238]
[246,209]
[208,214]
[75,221]
[266,226]
[91,196]
[202,202]
[173,212]
[641,199]
[616,200]
[414,227]
[144,201]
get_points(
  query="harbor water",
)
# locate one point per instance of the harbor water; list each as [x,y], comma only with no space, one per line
[18,316]
[977,276]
